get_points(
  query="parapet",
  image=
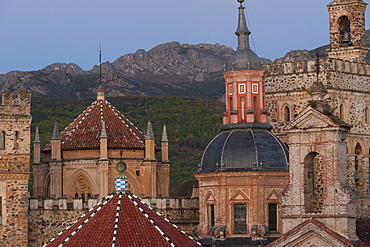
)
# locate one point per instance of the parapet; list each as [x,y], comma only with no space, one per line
[16,105]
[326,64]
[61,204]
[172,203]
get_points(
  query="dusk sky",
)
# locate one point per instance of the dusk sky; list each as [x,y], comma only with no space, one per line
[41,32]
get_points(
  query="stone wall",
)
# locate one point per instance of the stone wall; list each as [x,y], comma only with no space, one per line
[49,217]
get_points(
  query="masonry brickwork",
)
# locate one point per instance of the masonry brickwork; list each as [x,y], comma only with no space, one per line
[348,85]
[15,121]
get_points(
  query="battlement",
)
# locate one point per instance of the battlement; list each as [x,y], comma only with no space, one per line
[309,66]
[61,204]
[79,204]
[19,104]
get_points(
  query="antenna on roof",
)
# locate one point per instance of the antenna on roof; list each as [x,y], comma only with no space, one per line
[100,61]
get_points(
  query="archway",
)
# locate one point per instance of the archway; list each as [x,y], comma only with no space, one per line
[313,189]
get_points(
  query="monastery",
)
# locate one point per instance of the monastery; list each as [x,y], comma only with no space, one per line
[290,167]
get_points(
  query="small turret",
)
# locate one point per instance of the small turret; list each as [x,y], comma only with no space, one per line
[56,144]
[149,142]
[36,147]
[103,142]
[164,144]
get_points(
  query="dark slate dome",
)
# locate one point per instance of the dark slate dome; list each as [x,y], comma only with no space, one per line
[245,147]
[244,59]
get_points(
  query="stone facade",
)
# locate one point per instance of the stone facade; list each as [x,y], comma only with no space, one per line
[15,121]
[347,85]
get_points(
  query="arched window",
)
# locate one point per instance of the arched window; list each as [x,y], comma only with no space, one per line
[16,140]
[313,190]
[358,152]
[2,140]
[341,112]
[345,29]
[286,114]
[367,115]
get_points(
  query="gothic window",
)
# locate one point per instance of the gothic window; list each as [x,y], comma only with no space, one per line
[2,140]
[313,184]
[211,215]
[82,187]
[286,114]
[367,115]
[345,29]
[240,218]
[16,140]
[272,216]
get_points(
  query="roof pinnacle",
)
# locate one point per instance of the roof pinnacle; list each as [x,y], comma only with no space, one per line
[103,133]
[149,134]
[37,135]
[164,134]
[100,93]
[56,134]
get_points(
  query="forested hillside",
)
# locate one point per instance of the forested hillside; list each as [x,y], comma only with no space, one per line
[191,124]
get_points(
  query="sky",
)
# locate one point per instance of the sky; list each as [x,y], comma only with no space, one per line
[37,33]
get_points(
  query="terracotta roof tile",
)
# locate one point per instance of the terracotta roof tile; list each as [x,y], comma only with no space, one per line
[84,131]
[122,220]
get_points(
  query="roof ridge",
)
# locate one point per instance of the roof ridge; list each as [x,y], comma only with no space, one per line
[97,208]
[131,196]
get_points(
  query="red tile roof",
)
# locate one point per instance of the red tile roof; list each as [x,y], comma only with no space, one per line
[121,219]
[85,130]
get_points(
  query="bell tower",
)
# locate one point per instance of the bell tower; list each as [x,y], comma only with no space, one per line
[347,30]
[244,80]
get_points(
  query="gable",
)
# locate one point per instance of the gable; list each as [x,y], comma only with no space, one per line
[311,118]
[311,233]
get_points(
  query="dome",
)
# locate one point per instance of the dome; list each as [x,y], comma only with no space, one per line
[244,59]
[245,147]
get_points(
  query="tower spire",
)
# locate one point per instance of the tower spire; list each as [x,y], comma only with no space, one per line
[242,31]
[244,58]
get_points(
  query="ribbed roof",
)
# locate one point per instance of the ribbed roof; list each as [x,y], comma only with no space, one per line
[121,219]
[85,130]
[245,147]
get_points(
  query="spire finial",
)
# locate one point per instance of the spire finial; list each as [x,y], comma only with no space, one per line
[100,63]
[103,133]
[149,134]
[164,134]
[242,31]
[56,134]
[37,135]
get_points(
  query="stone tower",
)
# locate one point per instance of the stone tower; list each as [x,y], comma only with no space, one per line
[15,121]
[318,184]
[347,30]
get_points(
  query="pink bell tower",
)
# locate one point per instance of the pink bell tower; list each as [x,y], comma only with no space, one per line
[244,81]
